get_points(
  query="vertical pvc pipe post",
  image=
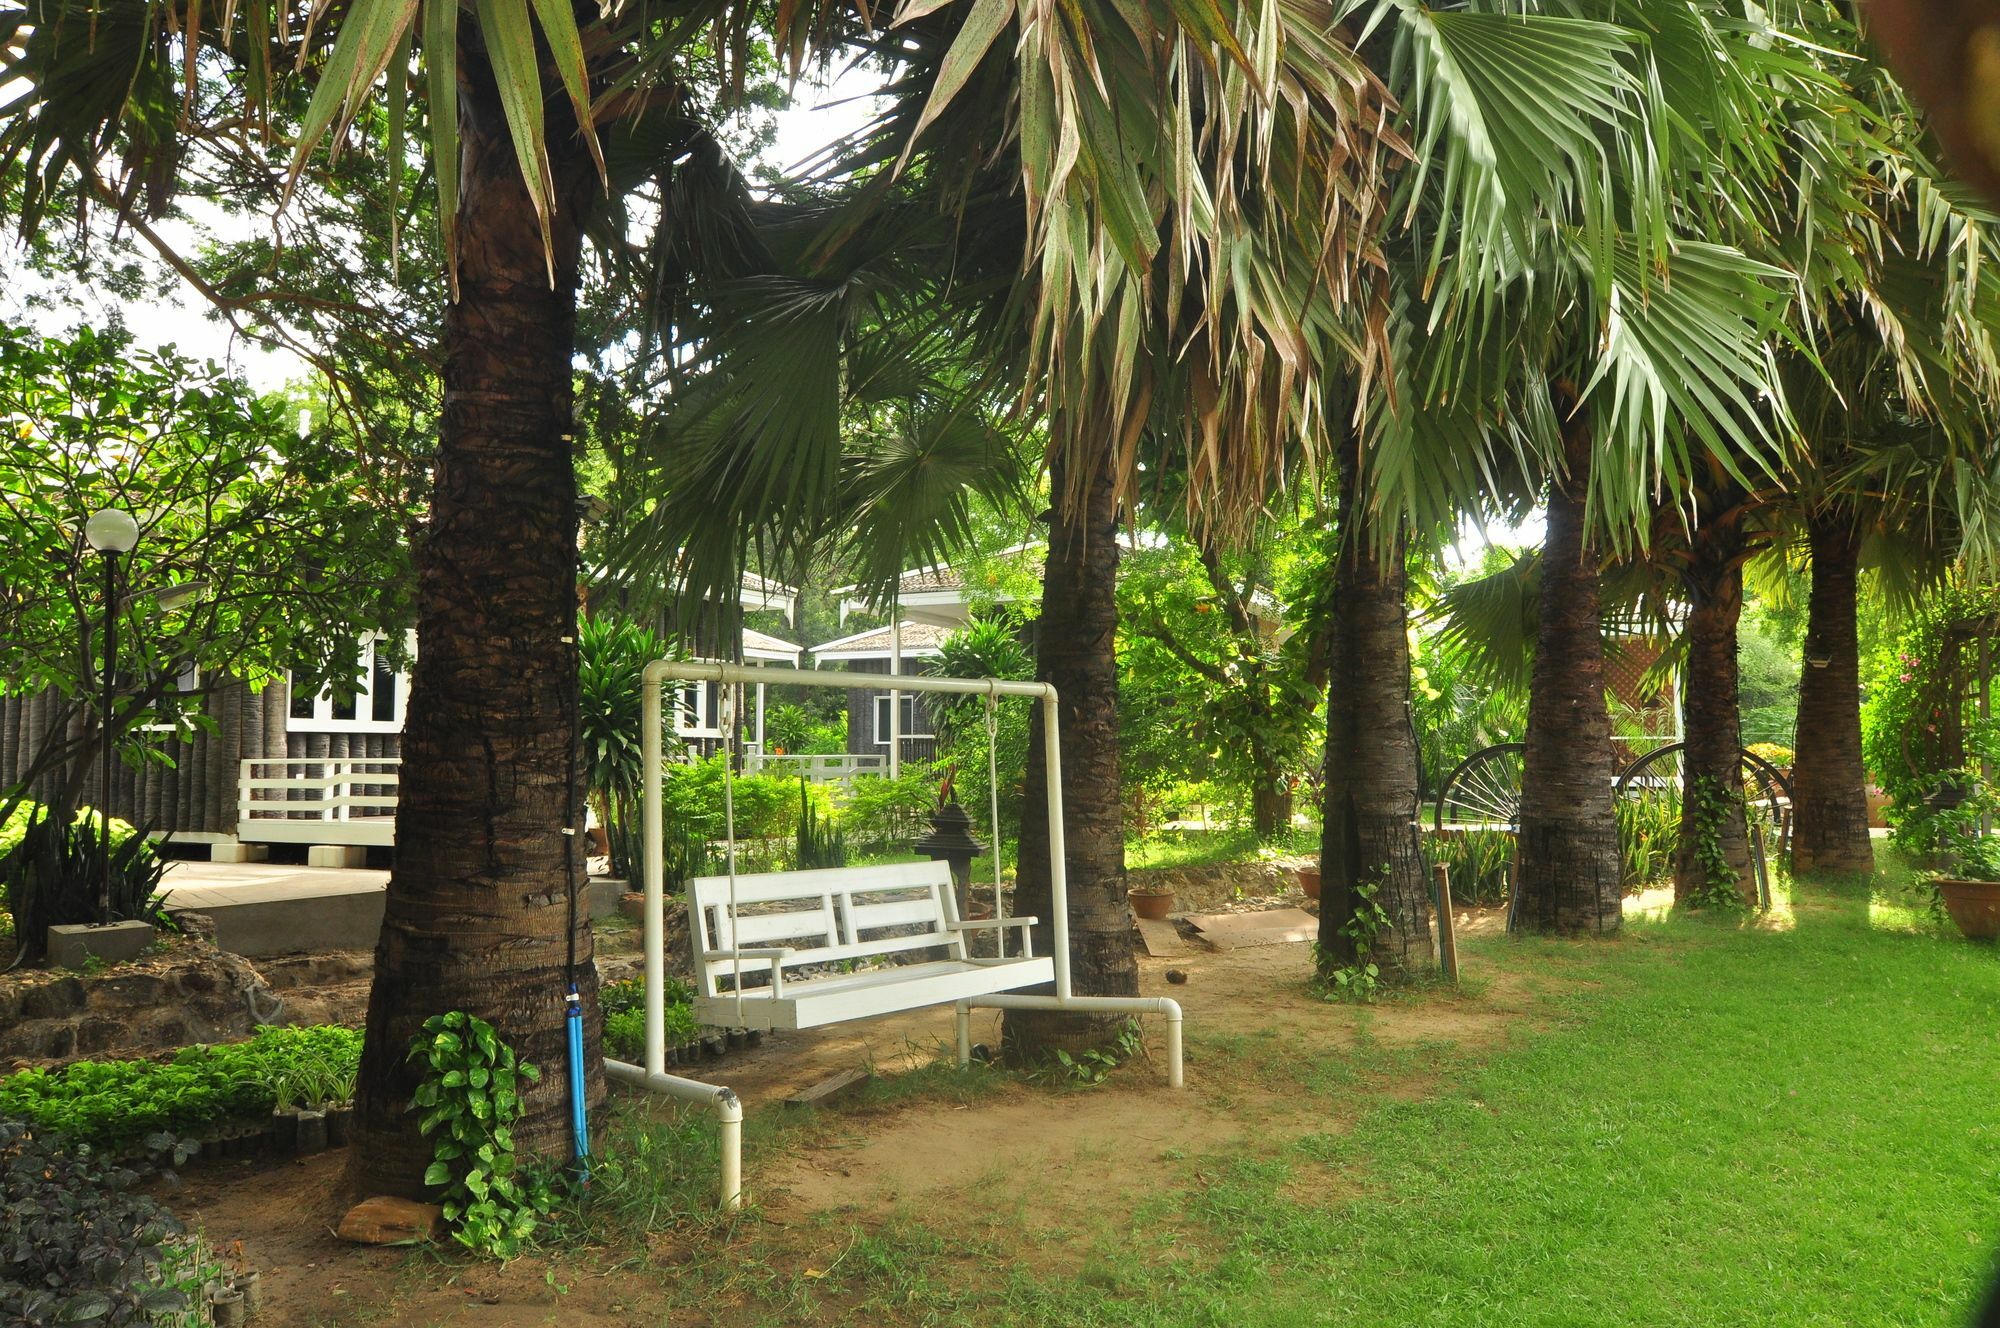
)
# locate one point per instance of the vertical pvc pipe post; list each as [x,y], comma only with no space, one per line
[653,845]
[963,1020]
[1058,851]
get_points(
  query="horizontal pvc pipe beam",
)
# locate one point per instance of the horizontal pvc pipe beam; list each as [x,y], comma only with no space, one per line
[728,1114]
[1160,1005]
[681,670]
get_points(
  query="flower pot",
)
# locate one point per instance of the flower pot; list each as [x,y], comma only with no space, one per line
[227,1309]
[285,1130]
[1152,905]
[1974,906]
[336,1124]
[1309,881]
[251,1285]
[311,1132]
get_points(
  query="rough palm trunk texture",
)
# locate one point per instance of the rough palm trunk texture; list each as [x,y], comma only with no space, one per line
[1710,719]
[1829,781]
[477,905]
[1570,878]
[1371,756]
[1074,651]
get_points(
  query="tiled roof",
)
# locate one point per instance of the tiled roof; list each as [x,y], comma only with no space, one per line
[918,639]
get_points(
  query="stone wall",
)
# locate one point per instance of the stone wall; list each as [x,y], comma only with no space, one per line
[1218,886]
[189,992]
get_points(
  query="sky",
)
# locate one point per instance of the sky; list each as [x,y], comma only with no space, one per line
[819,116]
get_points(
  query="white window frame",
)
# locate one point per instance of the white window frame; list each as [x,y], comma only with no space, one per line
[882,718]
[322,719]
[187,680]
[699,720]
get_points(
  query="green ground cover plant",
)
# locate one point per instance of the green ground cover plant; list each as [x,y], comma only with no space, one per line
[624,1007]
[118,1105]
[78,1245]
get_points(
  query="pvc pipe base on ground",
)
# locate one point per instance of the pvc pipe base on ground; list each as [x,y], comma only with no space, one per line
[728,1114]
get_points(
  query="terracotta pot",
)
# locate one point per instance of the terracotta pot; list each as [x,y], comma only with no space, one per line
[1974,906]
[1152,905]
[1309,881]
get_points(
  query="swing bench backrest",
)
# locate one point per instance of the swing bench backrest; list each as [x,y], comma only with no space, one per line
[815,947]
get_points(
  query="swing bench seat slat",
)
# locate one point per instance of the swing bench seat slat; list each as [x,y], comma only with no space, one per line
[860,919]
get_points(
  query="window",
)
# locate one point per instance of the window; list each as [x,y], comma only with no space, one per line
[376,708]
[916,719]
[698,712]
[174,703]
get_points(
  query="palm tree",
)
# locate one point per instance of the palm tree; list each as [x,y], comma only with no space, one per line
[1563,321]
[1183,302]
[1368,840]
[517,109]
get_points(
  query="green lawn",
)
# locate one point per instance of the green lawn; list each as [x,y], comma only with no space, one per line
[1737,1126]
[1711,1125]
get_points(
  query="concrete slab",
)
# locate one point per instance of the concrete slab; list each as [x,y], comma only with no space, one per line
[237,852]
[1275,926]
[263,908]
[270,909]
[71,946]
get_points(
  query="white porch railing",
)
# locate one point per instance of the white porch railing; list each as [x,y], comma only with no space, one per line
[836,768]
[324,800]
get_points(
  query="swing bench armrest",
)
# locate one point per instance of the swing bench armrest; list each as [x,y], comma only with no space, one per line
[989,924]
[774,953]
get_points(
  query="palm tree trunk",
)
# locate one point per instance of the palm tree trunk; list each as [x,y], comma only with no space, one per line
[1714,838]
[1074,649]
[478,905]
[1829,781]
[1369,839]
[1570,875]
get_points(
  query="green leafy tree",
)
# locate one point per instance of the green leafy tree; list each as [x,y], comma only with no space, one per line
[1200,628]
[289,564]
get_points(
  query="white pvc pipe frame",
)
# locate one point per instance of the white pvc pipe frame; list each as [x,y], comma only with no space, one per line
[729,1109]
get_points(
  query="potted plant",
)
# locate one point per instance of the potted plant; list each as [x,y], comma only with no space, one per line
[1968,888]
[1152,902]
[1309,880]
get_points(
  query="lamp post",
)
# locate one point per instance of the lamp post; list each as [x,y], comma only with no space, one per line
[111,531]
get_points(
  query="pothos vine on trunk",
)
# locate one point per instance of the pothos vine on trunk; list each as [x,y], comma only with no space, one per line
[1357,981]
[1714,804]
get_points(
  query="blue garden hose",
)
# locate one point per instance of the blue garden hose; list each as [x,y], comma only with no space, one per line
[579,1119]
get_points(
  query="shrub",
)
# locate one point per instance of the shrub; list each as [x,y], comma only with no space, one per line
[767,806]
[118,1105]
[884,815]
[787,728]
[52,873]
[820,842]
[624,1008]
[611,657]
[1649,834]
[1776,753]
[77,1245]
[1480,863]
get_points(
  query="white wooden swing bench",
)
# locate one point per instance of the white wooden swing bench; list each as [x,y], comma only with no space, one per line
[860,918]
[763,943]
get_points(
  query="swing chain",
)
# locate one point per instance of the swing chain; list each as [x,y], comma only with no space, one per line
[993,814]
[727,707]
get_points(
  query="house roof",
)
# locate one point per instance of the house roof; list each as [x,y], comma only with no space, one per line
[919,640]
[763,646]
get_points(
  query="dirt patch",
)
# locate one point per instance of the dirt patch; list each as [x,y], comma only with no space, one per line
[1007,1164]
